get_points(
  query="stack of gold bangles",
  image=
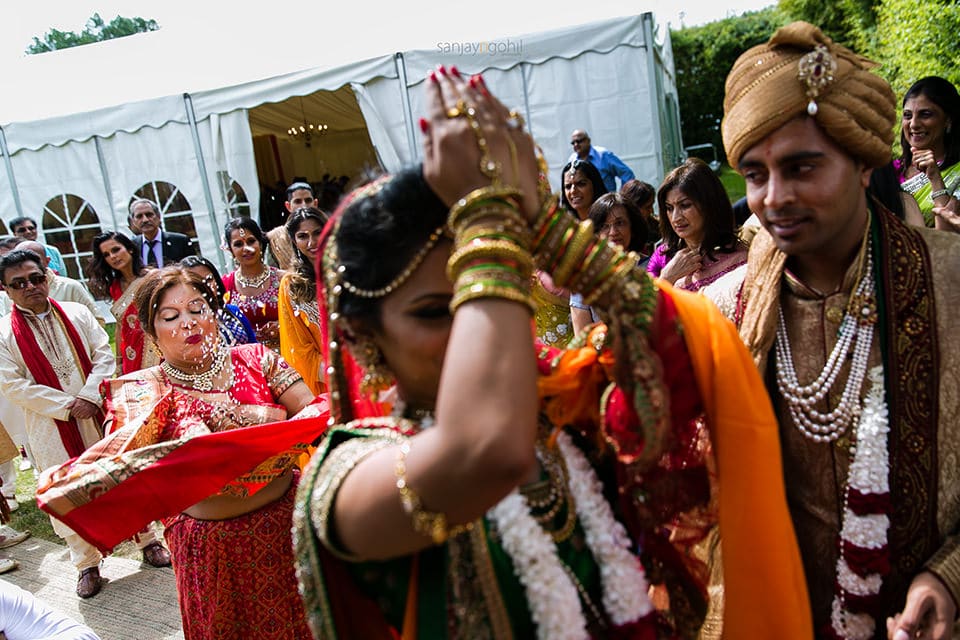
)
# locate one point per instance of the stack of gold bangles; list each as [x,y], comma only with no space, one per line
[575,257]
[492,257]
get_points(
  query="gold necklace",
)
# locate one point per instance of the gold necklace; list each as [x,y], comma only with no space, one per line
[202,381]
[255,282]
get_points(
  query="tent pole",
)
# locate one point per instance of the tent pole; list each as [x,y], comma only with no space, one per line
[405,101]
[192,118]
[9,164]
[526,95]
[656,89]
[106,181]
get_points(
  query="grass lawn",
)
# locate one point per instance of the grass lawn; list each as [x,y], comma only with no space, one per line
[732,182]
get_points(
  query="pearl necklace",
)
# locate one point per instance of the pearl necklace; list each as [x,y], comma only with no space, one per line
[200,381]
[253,283]
[856,329]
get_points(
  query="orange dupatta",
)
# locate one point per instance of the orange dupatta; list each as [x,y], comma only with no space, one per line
[765,589]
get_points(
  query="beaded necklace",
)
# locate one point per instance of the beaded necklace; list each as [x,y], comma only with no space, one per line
[202,381]
[856,331]
[255,282]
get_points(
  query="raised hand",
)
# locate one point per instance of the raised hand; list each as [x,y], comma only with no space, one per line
[471,141]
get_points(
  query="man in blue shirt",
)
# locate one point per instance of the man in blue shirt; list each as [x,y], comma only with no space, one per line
[610,166]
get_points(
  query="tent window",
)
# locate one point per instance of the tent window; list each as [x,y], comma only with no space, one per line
[70,223]
[233,194]
[174,208]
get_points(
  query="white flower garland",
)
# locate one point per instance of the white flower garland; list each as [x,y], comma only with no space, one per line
[554,602]
[624,582]
[869,474]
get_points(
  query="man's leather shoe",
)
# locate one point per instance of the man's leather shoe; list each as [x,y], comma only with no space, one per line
[155,555]
[89,583]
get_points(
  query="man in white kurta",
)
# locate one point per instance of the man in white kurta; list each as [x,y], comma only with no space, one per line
[24,280]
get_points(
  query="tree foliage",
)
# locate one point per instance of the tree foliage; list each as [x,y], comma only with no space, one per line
[703,56]
[95,30]
[909,38]
[917,39]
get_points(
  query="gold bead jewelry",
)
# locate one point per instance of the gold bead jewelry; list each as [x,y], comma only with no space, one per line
[432,524]
[515,120]
[400,279]
[488,166]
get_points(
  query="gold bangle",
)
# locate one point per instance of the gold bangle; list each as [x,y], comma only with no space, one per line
[508,195]
[624,264]
[496,249]
[431,524]
[489,212]
[574,253]
[483,290]
[492,276]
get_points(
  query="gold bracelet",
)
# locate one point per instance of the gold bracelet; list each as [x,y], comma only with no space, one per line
[484,290]
[431,524]
[507,195]
[494,276]
[490,212]
[625,263]
[504,228]
[496,249]
[573,255]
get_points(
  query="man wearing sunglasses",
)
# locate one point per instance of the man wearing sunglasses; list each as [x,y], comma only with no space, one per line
[53,357]
[610,166]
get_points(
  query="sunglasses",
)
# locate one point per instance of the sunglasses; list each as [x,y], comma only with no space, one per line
[35,279]
[577,141]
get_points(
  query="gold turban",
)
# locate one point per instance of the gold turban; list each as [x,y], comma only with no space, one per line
[802,71]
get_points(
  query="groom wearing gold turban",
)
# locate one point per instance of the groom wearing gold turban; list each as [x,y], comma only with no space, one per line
[851,315]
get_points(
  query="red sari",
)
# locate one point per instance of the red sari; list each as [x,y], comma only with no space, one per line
[172,447]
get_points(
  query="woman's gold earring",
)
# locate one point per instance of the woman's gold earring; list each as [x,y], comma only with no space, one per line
[376,375]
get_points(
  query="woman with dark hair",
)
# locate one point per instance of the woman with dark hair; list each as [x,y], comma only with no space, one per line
[115,271]
[643,195]
[505,492]
[234,327]
[300,337]
[700,241]
[580,186]
[615,218]
[253,286]
[184,446]
[929,168]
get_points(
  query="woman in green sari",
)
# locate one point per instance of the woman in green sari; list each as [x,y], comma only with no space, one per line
[506,490]
[930,140]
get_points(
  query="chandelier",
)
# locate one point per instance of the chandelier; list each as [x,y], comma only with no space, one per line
[306,131]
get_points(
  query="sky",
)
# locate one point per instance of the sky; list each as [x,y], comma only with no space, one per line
[24,19]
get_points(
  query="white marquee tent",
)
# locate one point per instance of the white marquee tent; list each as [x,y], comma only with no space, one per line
[202,131]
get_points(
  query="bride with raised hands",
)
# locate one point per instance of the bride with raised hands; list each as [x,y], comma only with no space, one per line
[513,490]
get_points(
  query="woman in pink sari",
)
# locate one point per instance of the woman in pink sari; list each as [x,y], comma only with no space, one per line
[700,242]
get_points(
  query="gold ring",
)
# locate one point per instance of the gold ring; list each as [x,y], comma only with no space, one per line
[459,110]
[515,120]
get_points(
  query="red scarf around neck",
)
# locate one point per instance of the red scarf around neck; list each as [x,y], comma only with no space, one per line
[39,365]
